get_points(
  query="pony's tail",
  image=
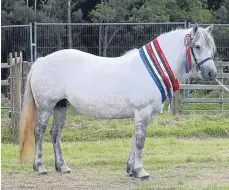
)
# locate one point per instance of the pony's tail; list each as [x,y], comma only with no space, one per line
[27,122]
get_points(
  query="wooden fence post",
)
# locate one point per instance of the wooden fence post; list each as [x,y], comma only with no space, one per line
[221,90]
[11,114]
[15,92]
[175,102]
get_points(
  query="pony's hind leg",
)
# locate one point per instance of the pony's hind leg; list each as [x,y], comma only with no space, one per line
[60,112]
[134,163]
[41,125]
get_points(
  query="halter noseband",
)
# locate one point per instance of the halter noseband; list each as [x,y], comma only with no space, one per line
[201,62]
[188,40]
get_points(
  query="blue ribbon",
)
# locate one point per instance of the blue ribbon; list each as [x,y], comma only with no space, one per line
[186,64]
[152,74]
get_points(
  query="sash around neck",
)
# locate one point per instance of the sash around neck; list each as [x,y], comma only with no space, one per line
[159,69]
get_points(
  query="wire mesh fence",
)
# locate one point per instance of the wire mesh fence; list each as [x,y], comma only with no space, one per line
[109,39]
[14,38]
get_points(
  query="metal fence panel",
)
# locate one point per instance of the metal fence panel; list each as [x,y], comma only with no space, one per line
[14,38]
[104,39]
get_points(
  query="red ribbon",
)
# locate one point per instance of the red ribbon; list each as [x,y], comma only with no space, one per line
[166,64]
[188,50]
[165,78]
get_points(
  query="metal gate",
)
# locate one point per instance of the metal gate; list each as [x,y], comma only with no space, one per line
[14,38]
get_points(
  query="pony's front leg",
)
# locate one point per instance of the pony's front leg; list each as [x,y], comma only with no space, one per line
[134,163]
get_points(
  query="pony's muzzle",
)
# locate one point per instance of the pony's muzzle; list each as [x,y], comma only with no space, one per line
[208,71]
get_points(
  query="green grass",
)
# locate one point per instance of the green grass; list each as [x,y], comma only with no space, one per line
[174,163]
[83,128]
[181,152]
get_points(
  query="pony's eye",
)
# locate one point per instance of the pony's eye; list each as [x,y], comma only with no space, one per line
[197,46]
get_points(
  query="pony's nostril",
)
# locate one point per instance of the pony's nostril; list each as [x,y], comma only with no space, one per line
[210,74]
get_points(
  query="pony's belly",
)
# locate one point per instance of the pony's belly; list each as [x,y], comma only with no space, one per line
[102,108]
[104,112]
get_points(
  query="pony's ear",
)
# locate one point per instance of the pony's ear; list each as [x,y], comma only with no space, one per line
[195,28]
[209,28]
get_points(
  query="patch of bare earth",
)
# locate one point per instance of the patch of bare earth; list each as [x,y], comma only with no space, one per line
[177,178]
[57,181]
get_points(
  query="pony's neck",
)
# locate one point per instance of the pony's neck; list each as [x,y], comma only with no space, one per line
[172,44]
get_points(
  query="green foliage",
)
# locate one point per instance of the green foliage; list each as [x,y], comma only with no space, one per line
[112,11]
[202,11]
[152,11]
[16,12]
[222,14]
[58,10]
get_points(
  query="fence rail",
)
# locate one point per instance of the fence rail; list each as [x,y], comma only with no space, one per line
[204,100]
[202,87]
[221,100]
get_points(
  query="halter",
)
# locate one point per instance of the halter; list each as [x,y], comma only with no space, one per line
[189,51]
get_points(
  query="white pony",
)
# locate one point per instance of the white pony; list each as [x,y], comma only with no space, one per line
[129,86]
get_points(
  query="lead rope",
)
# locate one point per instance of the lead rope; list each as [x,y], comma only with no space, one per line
[223,86]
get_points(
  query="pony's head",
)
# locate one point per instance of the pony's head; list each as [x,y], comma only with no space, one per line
[203,49]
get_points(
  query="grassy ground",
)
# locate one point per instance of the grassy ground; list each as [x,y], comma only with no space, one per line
[82,128]
[181,152]
[173,164]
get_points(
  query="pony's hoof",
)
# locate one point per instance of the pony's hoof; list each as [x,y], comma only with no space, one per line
[63,169]
[42,172]
[40,169]
[145,177]
[130,174]
[141,174]
[129,170]
[66,171]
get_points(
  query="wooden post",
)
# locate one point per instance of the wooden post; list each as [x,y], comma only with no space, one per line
[15,92]
[175,102]
[10,63]
[18,80]
[20,83]
[221,94]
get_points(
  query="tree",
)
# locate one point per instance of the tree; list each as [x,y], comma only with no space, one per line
[145,11]
[222,17]
[222,14]
[58,10]
[112,11]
